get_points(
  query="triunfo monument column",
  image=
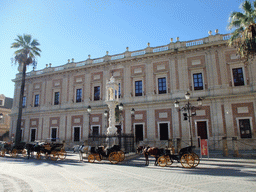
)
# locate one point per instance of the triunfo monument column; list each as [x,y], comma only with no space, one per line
[112,100]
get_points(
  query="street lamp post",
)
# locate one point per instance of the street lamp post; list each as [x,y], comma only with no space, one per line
[121,108]
[119,130]
[132,117]
[106,116]
[188,108]
[89,110]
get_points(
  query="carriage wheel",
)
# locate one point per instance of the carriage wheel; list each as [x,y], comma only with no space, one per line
[196,159]
[121,155]
[62,154]
[98,157]
[38,155]
[91,158]
[168,160]
[162,161]
[54,156]
[24,152]
[14,153]
[2,153]
[187,161]
[114,157]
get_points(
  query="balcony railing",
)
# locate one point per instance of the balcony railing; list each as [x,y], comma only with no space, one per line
[171,46]
[138,53]
[193,43]
[117,57]
[160,49]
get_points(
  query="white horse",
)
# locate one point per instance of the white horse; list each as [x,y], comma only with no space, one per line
[81,149]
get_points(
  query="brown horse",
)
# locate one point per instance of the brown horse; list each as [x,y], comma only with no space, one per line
[140,149]
[153,151]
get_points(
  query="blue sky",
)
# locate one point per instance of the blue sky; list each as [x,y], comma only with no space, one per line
[69,29]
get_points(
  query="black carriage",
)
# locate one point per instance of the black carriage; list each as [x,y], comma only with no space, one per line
[47,149]
[12,149]
[53,150]
[113,154]
[186,157]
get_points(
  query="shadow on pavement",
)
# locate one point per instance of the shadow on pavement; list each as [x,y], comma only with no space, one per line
[71,159]
[211,167]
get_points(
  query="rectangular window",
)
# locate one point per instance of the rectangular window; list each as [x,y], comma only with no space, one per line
[78,95]
[76,133]
[238,76]
[138,88]
[119,90]
[56,98]
[36,104]
[1,102]
[97,93]
[161,85]
[95,130]
[54,134]
[24,101]
[245,128]
[198,81]
[33,135]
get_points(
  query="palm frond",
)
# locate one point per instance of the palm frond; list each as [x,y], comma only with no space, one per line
[247,8]
[15,45]
[236,18]
[35,43]
[27,51]
[27,39]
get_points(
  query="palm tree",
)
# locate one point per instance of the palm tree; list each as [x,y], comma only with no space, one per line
[243,38]
[25,55]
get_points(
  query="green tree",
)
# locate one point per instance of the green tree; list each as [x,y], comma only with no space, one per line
[25,55]
[243,38]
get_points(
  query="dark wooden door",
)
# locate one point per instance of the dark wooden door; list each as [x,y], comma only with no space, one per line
[163,131]
[54,134]
[245,128]
[76,133]
[139,133]
[202,129]
[33,135]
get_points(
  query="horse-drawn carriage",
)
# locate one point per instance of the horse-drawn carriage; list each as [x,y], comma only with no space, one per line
[47,149]
[12,149]
[186,157]
[113,154]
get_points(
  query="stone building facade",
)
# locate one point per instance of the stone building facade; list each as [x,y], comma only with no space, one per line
[150,80]
[5,111]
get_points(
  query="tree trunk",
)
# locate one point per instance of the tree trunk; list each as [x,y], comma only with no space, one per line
[18,127]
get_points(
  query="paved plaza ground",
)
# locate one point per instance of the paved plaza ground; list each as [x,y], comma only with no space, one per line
[214,174]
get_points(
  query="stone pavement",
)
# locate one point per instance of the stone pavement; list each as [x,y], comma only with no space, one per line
[213,174]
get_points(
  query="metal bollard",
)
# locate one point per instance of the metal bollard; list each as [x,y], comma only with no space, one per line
[225,146]
[235,147]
